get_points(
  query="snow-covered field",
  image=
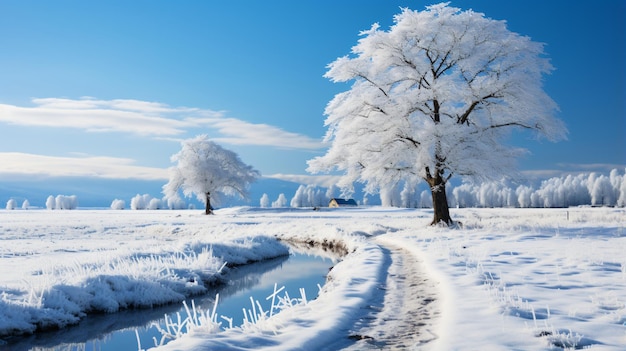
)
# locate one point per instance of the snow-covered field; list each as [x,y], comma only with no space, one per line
[523,279]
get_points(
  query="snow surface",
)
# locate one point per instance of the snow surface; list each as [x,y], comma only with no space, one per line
[523,279]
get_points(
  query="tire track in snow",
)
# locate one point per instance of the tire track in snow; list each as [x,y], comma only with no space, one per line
[409,308]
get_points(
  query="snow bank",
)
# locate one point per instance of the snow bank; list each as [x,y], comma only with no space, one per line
[51,276]
[320,324]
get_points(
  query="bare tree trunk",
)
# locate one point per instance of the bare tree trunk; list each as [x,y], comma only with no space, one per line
[441,211]
[208,209]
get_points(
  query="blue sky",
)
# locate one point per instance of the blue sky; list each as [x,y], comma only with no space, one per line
[107,89]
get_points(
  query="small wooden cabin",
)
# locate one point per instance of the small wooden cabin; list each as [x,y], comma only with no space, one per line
[336,202]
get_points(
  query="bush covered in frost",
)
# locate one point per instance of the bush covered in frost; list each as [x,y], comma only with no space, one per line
[264,202]
[62,202]
[145,202]
[176,203]
[281,201]
[118,204]
[11,204]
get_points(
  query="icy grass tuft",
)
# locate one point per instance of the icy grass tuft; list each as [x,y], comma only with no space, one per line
[205,321]
[196,320]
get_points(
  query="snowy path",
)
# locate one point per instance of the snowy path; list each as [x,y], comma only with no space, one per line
[404,317]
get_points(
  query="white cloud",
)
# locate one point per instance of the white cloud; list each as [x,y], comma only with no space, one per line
[91,115]
[87,103]
[87,166]
[150,119]
[238,132]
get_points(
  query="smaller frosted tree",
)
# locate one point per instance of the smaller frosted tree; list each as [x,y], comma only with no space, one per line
[281,201]
[265,201]
[11,204]
[206,169]
[118,204]
[64,202]
[50,202]
[140,202]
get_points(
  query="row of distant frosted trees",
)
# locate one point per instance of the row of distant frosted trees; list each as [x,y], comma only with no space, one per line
[585,189]
[573,190]
[138,202]
[60,202]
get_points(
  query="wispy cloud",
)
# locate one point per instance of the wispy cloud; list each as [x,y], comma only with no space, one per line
[150,119]
[81,166]
[238,132]
[127,116]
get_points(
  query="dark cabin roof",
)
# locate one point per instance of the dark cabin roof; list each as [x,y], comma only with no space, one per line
[344,202]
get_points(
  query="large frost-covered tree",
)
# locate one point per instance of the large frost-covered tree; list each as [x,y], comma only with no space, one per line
[206,169]
[432,97]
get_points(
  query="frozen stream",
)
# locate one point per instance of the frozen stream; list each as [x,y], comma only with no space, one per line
[116,331]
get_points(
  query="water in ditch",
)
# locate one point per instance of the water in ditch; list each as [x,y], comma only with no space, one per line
[118,331]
